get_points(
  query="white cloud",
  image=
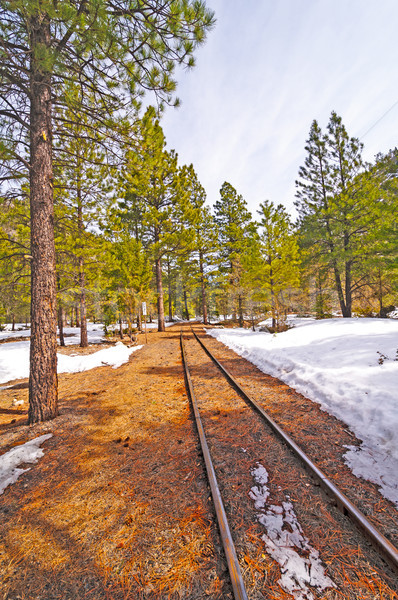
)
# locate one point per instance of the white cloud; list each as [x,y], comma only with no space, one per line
[267,70]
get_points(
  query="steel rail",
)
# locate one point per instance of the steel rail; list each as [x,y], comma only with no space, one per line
[386,548]
[238,585]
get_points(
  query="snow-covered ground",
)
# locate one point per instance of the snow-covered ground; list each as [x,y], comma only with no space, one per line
[14,356]
[348,366]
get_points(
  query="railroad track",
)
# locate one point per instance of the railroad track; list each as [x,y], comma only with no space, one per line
[240,408]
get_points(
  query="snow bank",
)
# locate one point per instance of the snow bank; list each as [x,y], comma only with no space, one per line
[350,367]
[10,461]
[113,356]
[21,331]
[14,360]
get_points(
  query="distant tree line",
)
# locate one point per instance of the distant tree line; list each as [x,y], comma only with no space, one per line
[141,231]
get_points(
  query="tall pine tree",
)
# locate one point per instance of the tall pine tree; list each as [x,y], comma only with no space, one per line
[235,227]
[104,47]
[337,203]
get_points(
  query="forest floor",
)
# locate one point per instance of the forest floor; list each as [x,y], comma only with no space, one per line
[118,507]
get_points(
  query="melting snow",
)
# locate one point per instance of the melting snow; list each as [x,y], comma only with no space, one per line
[301,567]
[349,366]
[26,453]
[14,360]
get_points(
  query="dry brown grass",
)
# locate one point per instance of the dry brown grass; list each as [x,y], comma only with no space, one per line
[118,508]
[339,543]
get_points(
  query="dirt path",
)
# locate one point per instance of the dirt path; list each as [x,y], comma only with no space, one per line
[118,507]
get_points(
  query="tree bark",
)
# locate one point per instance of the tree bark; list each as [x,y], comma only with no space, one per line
[271,287]
[240,308]
[319,304]
[159,288]
[120,328]
[348,279]
[348,290]
[339,288]
[43,382]
[170,292]
[61,326]
[186,305]
[203,290]
[83,307]
[82,275]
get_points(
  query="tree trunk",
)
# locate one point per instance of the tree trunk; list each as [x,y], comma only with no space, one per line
[61,325]
[380,294]
[337,278]
[43,382]
[231,284]
[170,292]
[159,287]
[82,276]
[319,304]
[77,316]
[348,290]
[271,286]
[339,289]
[83,307]
[13,323]
[203,290]
[120,328]
[129,328]
[186,305]
[240,306]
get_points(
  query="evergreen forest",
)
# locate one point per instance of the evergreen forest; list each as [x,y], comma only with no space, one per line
[98,215]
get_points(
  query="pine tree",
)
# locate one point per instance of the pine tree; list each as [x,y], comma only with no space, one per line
[156,190]
[203,246]
[337,204]
[104,47]
[235,227]
[280,267]
[129,275]
[82,169]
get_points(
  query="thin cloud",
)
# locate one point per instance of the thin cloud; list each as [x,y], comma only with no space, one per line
[267,70]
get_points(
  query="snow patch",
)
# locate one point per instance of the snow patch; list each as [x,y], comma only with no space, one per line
[285,542]
[14,360]
[114,356]
[26,453]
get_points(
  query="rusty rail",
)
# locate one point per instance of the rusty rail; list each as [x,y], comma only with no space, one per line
[238,585]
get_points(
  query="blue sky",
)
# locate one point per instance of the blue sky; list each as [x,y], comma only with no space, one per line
[267,70]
